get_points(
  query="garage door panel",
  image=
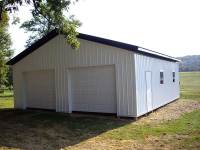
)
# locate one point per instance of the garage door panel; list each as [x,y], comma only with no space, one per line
[80,107]
[40,89]
[100,108]
[93,89]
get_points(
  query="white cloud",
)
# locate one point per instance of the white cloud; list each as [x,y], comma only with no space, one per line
[168,26]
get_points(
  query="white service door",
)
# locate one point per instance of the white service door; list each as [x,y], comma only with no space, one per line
[149,91]
[40,90]
[93,89]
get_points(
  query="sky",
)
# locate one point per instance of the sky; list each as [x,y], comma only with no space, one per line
[171,27]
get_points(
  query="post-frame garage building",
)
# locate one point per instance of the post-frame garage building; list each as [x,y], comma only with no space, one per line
[102,76]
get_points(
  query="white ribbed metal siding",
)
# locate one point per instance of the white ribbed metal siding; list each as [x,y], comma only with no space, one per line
[58,56]
[161,94]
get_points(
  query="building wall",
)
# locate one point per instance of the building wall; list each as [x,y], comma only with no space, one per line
[161,93]
[56,55]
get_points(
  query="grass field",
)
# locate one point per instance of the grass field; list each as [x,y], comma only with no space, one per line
[176,126]
[190,85]
[6,99]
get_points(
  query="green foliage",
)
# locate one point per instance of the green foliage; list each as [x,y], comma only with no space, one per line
[5,51]
[5,41]
[10,5]
[47,16]
[9,79]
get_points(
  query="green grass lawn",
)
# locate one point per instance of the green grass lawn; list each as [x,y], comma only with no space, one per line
[48,130]
[190,85]
[6,99]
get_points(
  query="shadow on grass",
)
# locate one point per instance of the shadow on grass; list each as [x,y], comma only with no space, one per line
[33,129]
[6,96]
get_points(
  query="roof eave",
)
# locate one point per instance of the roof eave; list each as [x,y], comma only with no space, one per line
[33,47]
[113,43]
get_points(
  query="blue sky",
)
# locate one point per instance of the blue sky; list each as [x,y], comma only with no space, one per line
[167,26]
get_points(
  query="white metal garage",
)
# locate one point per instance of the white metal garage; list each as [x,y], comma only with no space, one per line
[101,76]
[93,89]
[40,89]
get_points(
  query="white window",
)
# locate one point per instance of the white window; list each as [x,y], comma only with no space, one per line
[161,77]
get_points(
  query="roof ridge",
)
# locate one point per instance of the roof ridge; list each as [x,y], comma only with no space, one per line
[83,36]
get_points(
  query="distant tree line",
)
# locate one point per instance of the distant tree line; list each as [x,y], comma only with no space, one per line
[190,63]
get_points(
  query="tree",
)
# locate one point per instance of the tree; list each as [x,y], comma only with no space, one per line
[10,5]
[9,78]
[5,51]
[47,15]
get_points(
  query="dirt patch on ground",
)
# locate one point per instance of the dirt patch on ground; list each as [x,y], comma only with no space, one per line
[168,112]
[171,111]
[164,142]
[150,143]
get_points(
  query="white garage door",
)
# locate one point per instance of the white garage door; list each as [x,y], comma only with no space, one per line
[93,89]
[40,90]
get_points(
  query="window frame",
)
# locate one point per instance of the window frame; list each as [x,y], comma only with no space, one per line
[161,77]
[173,76]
